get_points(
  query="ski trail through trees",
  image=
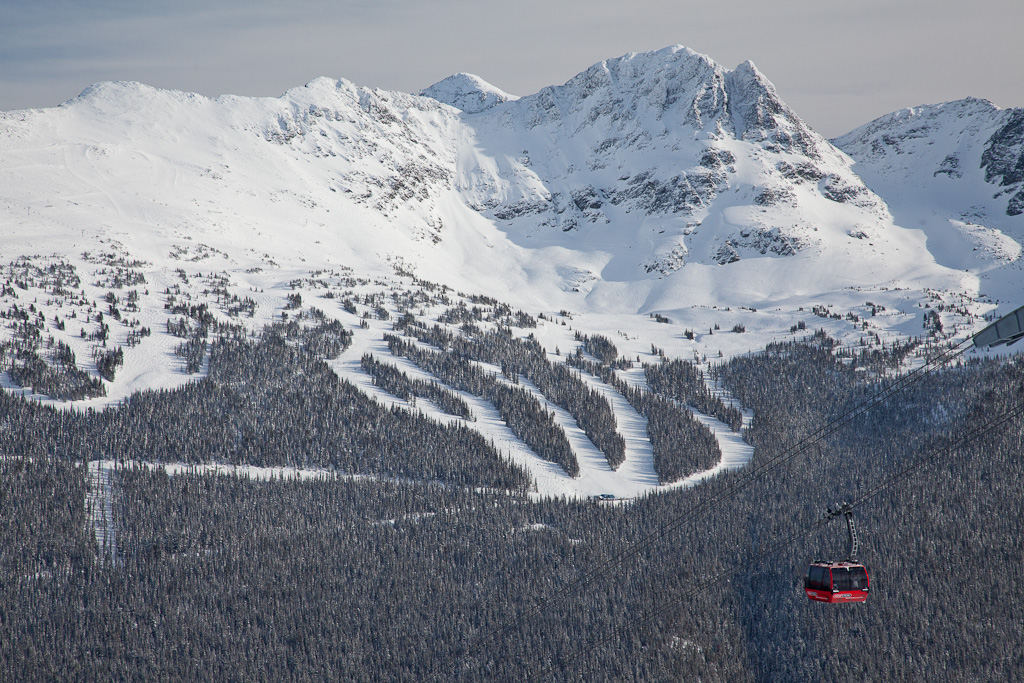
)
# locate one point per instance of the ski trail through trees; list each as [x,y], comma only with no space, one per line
[635,476]
[487,420]
[99,505]
[735,451]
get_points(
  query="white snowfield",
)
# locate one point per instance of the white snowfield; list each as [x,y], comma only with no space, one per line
[658,182]
[953,171]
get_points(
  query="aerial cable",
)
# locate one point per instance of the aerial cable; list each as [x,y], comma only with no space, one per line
[745,478]
[1016,410]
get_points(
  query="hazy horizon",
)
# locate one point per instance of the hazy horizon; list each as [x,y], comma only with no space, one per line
[836,68]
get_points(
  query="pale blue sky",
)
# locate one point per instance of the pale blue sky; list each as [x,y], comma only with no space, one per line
[837,64]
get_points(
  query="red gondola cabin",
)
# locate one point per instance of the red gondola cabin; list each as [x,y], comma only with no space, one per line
[836,582]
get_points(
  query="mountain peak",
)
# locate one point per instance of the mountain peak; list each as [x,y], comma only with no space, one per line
[131,99]
[673,55]
[116,90]
[956,109]
[760,115]
[959,142]
[467,92]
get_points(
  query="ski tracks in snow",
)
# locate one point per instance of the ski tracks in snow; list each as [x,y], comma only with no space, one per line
[735,451]
[635,476]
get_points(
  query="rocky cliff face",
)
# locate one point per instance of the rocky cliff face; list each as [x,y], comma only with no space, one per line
[1003,160]
[668,152]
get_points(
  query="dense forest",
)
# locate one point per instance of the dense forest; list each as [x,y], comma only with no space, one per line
[395,382]
[682,381]
[427,576]
[264,402]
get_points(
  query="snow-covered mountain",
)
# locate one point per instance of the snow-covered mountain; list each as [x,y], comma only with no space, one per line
[434,307]
[956,171]
[664,159]
[656,184]
[467,92]
[607,185]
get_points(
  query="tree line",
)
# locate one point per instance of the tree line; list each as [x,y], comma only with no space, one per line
[527,357]
[397,383]
[519,409]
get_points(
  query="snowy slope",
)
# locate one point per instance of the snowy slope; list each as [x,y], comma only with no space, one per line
[956,171]
[655,161]
[594,194]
